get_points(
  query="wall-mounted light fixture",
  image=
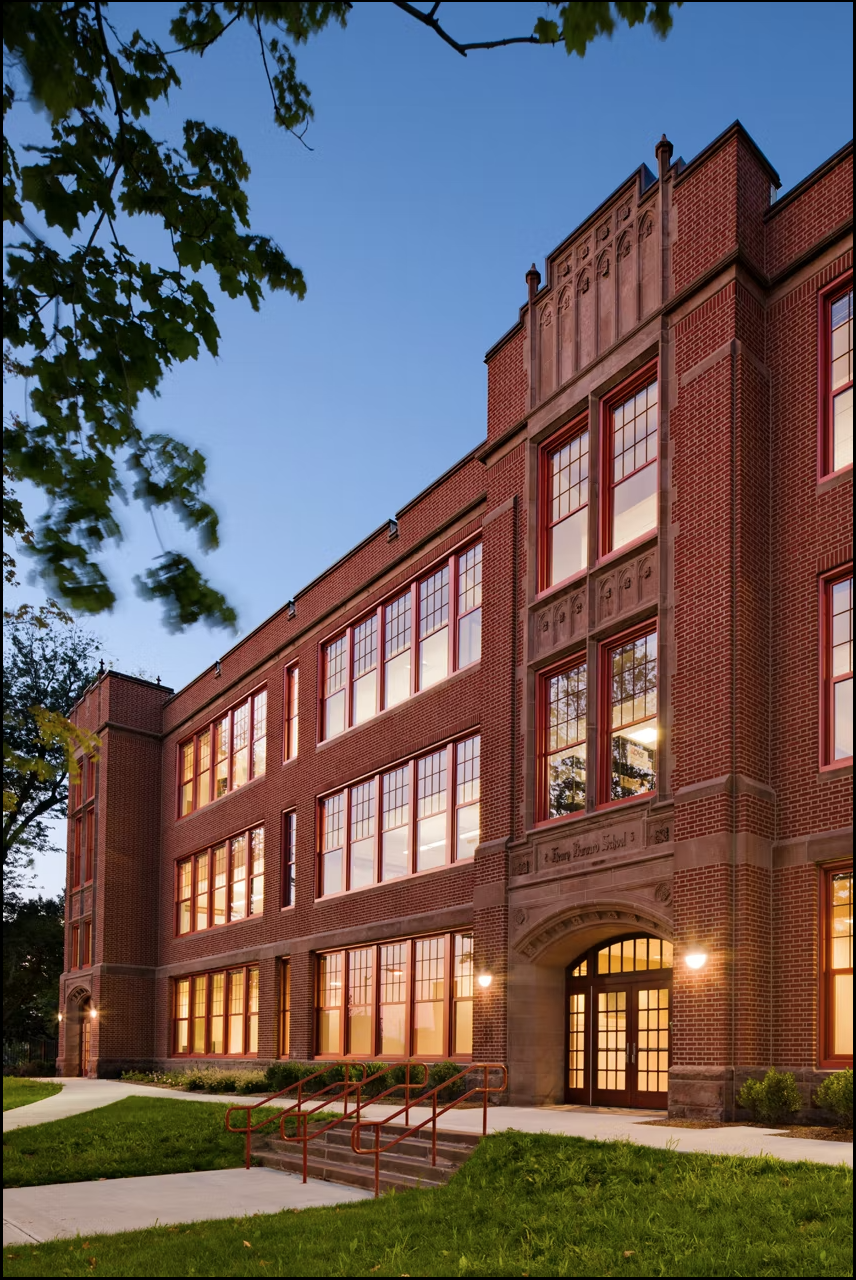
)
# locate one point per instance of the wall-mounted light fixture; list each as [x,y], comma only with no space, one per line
[290,609]
[93,1013]
[696,958]
[485,979]
[391,529]
[59,1017]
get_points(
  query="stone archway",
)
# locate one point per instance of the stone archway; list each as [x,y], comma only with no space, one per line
[76,1016]
[542,947]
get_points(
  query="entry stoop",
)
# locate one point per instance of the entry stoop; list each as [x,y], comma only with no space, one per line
[405,1167]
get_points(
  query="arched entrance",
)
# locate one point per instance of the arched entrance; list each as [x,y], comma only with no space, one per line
[618,1019]
[85,1035]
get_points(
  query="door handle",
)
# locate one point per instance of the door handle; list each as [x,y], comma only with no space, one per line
[633,1053]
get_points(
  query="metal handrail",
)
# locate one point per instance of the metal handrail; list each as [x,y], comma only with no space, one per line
[484,1089]
[305,1137]
[343,1087]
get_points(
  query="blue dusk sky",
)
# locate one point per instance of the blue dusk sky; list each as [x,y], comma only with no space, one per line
[433,182]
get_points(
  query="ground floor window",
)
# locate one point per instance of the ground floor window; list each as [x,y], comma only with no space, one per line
[284,1008]
[837,978]
[411,997]
[217,1014]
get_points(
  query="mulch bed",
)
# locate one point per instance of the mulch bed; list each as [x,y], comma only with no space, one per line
[826,1133]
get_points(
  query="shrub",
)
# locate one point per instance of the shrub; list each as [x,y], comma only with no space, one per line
[383,1079]
[442,1071]
[772,1099]
[35,1068]
[836,1095]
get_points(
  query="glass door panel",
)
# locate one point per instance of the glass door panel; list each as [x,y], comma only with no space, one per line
[652,1044]
[611,1041]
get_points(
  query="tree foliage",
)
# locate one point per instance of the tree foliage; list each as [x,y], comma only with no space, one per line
[92,326]
[46,667]
[33,937]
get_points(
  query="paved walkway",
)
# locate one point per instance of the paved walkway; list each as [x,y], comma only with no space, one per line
[124,1204]
[32,1215]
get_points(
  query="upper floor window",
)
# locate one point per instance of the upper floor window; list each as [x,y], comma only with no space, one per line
[838,668]
[629,678]
[221,884]
[837,379]
[837,967]
[224,755]
[564,505]
[289,856]
[562,764]
[406,820]
[631,484]
[407,644]
[292,692]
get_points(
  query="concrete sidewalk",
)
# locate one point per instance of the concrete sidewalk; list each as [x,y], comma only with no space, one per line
[32,1215]
[581,1122]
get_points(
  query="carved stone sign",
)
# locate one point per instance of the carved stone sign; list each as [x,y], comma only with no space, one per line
[560,852]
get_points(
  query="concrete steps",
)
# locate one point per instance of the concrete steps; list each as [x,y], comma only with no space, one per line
[407,1165]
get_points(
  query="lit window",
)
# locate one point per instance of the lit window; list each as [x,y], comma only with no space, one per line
[837,1002]
[462,995]
[631,672]
[361,852]
[360,1001]
[838,668]
[332,844]
[284,1008]
[395,840]
[467,797]
[237,742]
[330,1003]
[393,999]
[632,478]
[222,884]
[837,378]
[564,506]
[292,692]
[289,855]
[431,839]
[563,733]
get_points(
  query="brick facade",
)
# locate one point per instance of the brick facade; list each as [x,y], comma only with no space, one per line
[692,268]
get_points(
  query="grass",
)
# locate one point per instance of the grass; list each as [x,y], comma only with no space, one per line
[525,1204]
[126,1139]
[18,1092]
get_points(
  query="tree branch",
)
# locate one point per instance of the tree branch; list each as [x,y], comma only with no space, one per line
[298,136]
[205,44]
[428,20]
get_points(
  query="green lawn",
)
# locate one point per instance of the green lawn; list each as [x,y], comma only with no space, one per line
[525,1204]
[126,1139]
[18,1092]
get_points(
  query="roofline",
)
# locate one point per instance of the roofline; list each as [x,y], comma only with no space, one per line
[804,183]
[735,129]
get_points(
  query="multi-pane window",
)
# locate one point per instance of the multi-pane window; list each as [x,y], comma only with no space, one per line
[838,966]
[292,695]
[289,857]
[563,733]
[564,506]
[221,884]
[402,821]
[838,668]
[632,466]
[397,999]
[838,378]
[407,644]
[284,1008]
[81,804]
[630,677]
[217,1014]
[223,755]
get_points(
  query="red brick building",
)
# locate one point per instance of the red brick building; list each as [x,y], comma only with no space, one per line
[578,721]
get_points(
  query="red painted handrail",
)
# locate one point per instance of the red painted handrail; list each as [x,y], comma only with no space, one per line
[484,1089]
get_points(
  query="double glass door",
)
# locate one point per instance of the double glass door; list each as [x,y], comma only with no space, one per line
[619,1024]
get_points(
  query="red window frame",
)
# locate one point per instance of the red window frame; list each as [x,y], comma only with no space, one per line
[86,944]
[606,649]
[76,855]
[248,1013]
[828,680]
[74,947]
[458,783]
[408,950]
[255,746]
[284,1029]
[289,859]
[577,427]
[827,1056]
[291,719]
[644,377]
[194,861]
[542,803]
[825,399]
[91,766]
[453,564]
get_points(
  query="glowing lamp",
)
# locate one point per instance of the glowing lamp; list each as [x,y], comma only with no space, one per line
[696,959]
[485,979]
[93,1013]
[59,1017]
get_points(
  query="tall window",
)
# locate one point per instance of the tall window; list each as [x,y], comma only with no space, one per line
[838,668]
[411,996]
[837,992]
[564,505]
[292,694]
[223,755]
[631,464]
[74,956]
[563,738]
[76,856]
[81,804]
[837,379]
[217,1014]
[379,662]
[221,884]
[86,957]
[284,1008]
[289,856]
[89,860]
[403,821]
[630,686]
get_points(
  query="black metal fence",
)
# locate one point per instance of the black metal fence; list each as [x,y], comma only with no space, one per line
[37,1055]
